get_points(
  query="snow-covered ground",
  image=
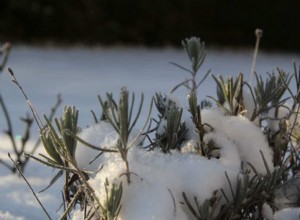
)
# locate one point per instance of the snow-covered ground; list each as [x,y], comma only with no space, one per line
[80,74]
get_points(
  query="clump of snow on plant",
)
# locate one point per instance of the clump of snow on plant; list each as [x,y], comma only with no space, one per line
[238,138]
[249,105]
[276,116]
[101,135]
[158,180]
[170,102]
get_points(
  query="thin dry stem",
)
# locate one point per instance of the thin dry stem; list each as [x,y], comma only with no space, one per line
[21,173]
[258,34]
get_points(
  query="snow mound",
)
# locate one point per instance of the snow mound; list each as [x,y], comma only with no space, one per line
[158,180]
[244,135]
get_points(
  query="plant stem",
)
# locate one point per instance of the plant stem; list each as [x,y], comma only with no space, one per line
[258,34]
[17,167]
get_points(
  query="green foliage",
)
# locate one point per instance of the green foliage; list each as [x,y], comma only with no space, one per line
[268,93]
[164,105]
[204,211]
[270,90]
[61,146]
[170,130]
[120,117]
[173,134]
[247,197]
[231,93]
[113,200]
[68,123]
[250,193]
[195,49]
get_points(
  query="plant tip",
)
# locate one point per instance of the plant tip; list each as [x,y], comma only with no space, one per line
[10,71]
[258,32]
[6,46]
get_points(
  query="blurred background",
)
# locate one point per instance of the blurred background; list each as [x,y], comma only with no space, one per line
[152,23]
[82,48]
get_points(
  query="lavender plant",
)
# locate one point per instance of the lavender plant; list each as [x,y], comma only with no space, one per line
[170,131]
[195,49]
[121,118]
[249,193]
[254,192]
[60,145]
[230,94]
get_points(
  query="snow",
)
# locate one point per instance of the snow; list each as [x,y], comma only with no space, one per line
[288,196]
[153,171]
[245,136]
[8,216]
[82,73]
[274,120]
[178,173]
[155,175]
[101,135]
[267,211]
[229,154]
[16,199]
[249,105]
[287,213]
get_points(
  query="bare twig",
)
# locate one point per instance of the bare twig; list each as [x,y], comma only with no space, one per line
[9,131]
[40,203]
[5,51]
[52,113]
[35,115]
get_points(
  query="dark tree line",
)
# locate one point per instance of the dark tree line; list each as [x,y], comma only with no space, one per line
[151,22]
